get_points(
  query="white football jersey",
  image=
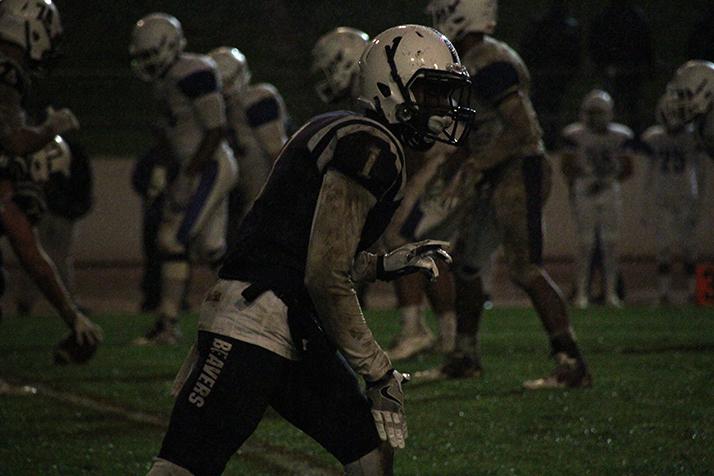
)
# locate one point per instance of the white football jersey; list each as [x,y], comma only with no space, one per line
[674,162]
[597,154]
[258,115]
[192,102]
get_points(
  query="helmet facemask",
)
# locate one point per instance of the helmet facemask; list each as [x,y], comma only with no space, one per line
[334,80]
[435,109]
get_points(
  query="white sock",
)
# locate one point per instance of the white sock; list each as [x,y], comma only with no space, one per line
[411,319]
[174,276]
[447,330]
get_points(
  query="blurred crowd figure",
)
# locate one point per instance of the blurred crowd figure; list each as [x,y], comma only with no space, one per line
[552,47]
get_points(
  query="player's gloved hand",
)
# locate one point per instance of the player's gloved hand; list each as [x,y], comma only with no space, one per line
[85,331]
[61,121]
[387,399]
[413,257]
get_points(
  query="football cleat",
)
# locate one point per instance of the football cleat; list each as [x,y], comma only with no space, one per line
[459,365]
[407,346]
[581,302]
[163,332]
[568,373]
[613,301]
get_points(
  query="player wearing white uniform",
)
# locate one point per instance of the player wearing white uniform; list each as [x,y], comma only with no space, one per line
[257,116]
[195,214]
[673,191]
[595,158]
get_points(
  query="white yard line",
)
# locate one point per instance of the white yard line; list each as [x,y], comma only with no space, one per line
[271,456]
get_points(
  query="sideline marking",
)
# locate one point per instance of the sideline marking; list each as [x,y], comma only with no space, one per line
[264,454]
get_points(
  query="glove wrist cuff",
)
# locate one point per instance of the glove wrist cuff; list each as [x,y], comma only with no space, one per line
[388,375]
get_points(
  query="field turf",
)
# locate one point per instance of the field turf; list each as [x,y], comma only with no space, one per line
[650,412]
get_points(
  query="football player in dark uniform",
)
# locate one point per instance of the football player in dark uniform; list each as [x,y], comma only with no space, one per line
[29,31]
[283,327]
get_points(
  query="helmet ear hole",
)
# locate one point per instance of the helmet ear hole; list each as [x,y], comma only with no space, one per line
[384,89]
[405,112]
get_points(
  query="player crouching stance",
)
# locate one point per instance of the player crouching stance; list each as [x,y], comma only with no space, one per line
[283,322]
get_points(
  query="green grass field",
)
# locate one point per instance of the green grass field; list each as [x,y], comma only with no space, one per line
[650,412]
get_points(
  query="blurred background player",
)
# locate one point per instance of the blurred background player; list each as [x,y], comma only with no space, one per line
[257,118]
[691,92]
[673,192]
[595,160]
[29,32]
[335,65]
[506,160]
[195,212]
[67,177]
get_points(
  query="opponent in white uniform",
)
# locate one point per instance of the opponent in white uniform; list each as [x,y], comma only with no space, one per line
[257,117]
[188,87]
[595,160]
[673,191]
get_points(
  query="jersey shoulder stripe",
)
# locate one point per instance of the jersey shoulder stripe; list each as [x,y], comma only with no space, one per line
[362,149]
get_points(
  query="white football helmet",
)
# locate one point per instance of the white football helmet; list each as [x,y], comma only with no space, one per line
[156,42]
[34,26]
[336,58]
[691,90]
[411,77]
[455,18]
[232,66]
[54,158]
[597,110]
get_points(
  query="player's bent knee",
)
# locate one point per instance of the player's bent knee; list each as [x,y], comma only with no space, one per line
[467,272]
[523,275]
[377,462]
[162,467]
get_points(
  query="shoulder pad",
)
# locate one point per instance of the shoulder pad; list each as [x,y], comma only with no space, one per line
[262,105]
[621,129]
[652,133]
[364,150]
[196,75]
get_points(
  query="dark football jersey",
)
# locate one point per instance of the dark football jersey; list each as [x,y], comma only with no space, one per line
[272,243]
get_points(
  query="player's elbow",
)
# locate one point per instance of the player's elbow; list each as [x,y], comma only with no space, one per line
[14,144]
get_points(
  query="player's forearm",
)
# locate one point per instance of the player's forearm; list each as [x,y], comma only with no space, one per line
[210,143]
[34,260]
[337,226]
[27,140]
